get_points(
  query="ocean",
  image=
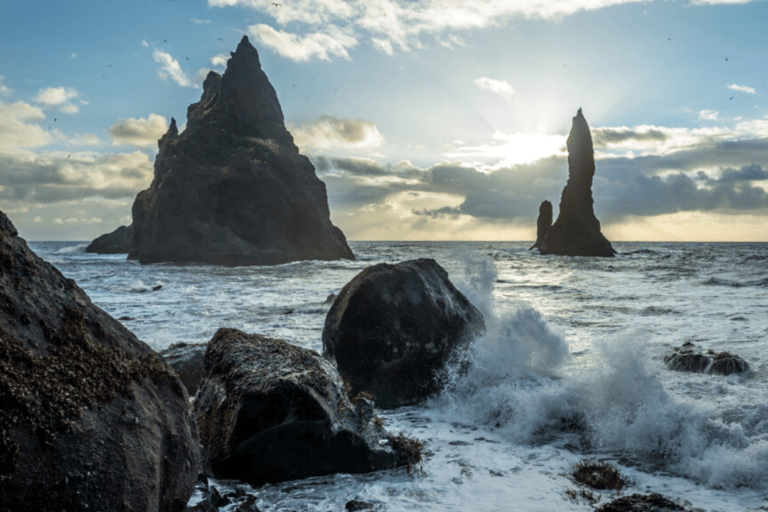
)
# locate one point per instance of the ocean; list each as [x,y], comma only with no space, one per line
[571,368]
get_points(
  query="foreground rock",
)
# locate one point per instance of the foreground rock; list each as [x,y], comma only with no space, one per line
[232,189]
[117,242]
[641,503]
[187,360]
[688,359]
[392,330]
[576,232]
[269,411]
[91,417]
[543,223]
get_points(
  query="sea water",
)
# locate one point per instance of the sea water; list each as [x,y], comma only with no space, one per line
[571,368]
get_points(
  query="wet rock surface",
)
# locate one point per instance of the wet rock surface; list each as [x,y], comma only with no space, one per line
[392,330]
[543,223]
[187,360]
[641,503]
[91,418]
[232,188]
[576,232]
[688,359]
[269,411]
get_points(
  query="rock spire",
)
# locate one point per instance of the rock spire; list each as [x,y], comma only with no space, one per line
[576,232]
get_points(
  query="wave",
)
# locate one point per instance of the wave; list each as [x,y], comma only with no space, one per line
[70,249]
[716,281]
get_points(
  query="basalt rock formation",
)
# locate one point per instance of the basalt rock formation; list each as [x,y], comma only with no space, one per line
[269,411]
[117,242]
[91,418]
[687,359]
[576,232]
[393,329]
[543,223]
[232,188]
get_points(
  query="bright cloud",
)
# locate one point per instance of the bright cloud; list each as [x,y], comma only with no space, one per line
[392,23]
[331,133]
[139,132]
[322,45]
[4,90]
[708,115]
[742,88]
[16,130]
[171,69]
[500,87]
[58,97]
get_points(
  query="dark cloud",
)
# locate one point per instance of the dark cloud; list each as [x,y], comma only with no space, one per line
[604,136]
[753,172]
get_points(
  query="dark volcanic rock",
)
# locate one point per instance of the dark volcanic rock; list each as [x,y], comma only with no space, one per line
[232,189]
[687,359]
[91,417]
[393,328]
[187,359]
[641,503]
[543,223]
[576,232]
[269,411]
[117,242]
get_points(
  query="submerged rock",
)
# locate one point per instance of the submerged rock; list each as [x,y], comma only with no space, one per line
[576,232]
[117,242]
[232,188]
[687,359]
[641,503]
[269,411]
[91,417]
[392,330]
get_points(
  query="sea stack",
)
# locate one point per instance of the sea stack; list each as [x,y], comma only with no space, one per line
[576,232]
[232,188]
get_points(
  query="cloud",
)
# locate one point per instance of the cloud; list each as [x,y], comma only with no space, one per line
[171,69]
[390,24]
[220,60]
[58,97]
[332,133]
[198,21]
[742,88]
[708,115]
[16,130]
[52,177]
[322,45]
[139,132]
[4,90]
[500,87]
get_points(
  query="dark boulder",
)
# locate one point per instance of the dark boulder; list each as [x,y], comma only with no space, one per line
[576,232]
[688,359]
[268,411]
[543,223]
[187,360]
[641,503]
[232,188]
[117,242]
[91,417]
[392,330]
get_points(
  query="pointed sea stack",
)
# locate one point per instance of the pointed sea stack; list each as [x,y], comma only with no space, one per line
[576,232]
[232,188]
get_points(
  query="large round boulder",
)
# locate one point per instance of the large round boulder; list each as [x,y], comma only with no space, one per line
[688,359]
[269,411]
[392,330]
[91,417]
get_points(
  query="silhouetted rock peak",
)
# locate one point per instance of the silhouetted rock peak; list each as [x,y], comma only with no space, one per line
[576,231]
[232,188]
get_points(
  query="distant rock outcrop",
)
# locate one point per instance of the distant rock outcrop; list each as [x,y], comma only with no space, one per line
[232,188]
[543,223]
[117,242]
[687,359]
[576,232]
[91,418]
[392,330]
[269,411]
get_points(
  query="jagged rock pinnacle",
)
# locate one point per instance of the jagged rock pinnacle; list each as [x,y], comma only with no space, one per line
[576,232]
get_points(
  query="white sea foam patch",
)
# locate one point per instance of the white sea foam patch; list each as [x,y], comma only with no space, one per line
[70,249]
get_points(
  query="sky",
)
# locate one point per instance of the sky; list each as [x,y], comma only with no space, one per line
[426,119]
